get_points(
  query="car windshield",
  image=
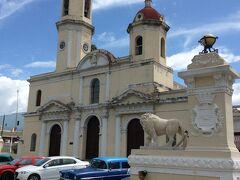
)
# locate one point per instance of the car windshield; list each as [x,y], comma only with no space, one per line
[41,162]
[99,164]
[14,161]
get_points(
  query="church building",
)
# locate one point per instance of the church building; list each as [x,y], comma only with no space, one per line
[91,104]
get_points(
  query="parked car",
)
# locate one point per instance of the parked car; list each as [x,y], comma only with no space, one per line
[5,158]
[116,168]
[48,168]
[7,170]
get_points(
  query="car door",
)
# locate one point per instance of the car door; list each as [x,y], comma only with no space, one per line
[67,163]
[50,169]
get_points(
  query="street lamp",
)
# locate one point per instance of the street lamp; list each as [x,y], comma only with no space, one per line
[207,42]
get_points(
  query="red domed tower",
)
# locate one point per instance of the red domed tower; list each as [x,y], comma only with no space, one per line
[148,35]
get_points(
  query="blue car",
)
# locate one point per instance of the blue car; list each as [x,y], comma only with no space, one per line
[116,168]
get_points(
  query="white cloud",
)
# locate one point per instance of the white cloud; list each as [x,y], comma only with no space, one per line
[100,4]
[8,95]
[236,94]
[8,7]
[9,70]
[229,24]
[180,60]
[108,40]
[41,64]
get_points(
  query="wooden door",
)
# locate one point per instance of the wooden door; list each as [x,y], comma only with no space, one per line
[135,135]
[55,141]
[92,143]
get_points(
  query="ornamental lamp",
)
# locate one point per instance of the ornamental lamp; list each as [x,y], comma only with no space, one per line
[207,42]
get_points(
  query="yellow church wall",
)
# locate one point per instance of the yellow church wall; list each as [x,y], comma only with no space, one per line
[32,125]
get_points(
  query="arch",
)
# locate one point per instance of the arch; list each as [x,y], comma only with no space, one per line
[55,140]
[139,45]
[65,7]
[163,48]
[38,98]
[95,90]
[135,135]
[92,141]
[33,142]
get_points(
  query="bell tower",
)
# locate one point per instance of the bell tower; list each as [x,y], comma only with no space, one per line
[75,32]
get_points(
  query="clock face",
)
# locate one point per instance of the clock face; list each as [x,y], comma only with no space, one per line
[62,45]
[85,47]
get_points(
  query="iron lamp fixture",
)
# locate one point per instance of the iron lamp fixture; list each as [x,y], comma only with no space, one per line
[207,42]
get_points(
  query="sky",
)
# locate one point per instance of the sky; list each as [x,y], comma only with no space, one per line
[28,37]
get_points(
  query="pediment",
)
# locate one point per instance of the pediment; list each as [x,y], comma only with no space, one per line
[132,97]
[96,58]
[54,106]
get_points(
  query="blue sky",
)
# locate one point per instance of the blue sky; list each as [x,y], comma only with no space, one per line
[29,37]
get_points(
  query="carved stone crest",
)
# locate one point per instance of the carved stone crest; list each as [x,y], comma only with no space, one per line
[207,118]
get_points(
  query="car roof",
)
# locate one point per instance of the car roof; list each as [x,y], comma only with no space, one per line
[5,155]
[32,157]
[107,159]
[63,157]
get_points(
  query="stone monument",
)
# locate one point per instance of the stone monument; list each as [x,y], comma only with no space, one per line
[210,152]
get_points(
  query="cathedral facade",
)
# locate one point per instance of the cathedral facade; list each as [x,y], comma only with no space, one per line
[91,104]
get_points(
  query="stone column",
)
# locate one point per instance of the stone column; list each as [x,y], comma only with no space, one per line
[81,91]
[124,142]
[76,134]
[64,141]
[117,135]
[42,139]
[103,131]
[107,86]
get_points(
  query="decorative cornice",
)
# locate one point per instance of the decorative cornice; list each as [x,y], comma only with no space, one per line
[184,162]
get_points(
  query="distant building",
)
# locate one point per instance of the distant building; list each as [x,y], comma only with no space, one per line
[236,119]
[11,121]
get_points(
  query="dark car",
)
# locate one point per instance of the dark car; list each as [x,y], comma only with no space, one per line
[103,168]
[5,158]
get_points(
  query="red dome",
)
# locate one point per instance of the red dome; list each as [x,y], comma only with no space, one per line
[150,14]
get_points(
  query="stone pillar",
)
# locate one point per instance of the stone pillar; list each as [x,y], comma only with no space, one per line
[76,137]
[107,86]
[117,135]
[124,142]
[42,139]
[64,141]
[209,82]
[81,91]
[103,131]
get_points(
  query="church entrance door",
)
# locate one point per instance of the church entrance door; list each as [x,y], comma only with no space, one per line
[55,141]
[135,135]
[92,143]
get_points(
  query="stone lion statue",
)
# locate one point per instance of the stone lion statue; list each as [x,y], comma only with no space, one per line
[155,126]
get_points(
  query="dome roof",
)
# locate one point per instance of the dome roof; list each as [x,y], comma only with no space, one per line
[148,13]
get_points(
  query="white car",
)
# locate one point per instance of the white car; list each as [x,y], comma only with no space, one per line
[48,168]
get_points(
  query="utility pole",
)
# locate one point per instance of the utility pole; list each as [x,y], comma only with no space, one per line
[3,124]
[15,127]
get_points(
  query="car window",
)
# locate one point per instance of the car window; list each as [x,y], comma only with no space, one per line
[4,159]
[42,161]
[25,162]
[55,162]
[15,161]
[37,161]
[114,165]
[68,161]
[95,163]
[125,165]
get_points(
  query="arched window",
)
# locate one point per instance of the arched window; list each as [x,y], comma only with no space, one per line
[33,142]
[39,97]
[95,88]
[163,48]
[139,45]
[87,8]
[65,7]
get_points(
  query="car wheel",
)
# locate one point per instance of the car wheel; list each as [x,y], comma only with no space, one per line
[7,176]
[34,177]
